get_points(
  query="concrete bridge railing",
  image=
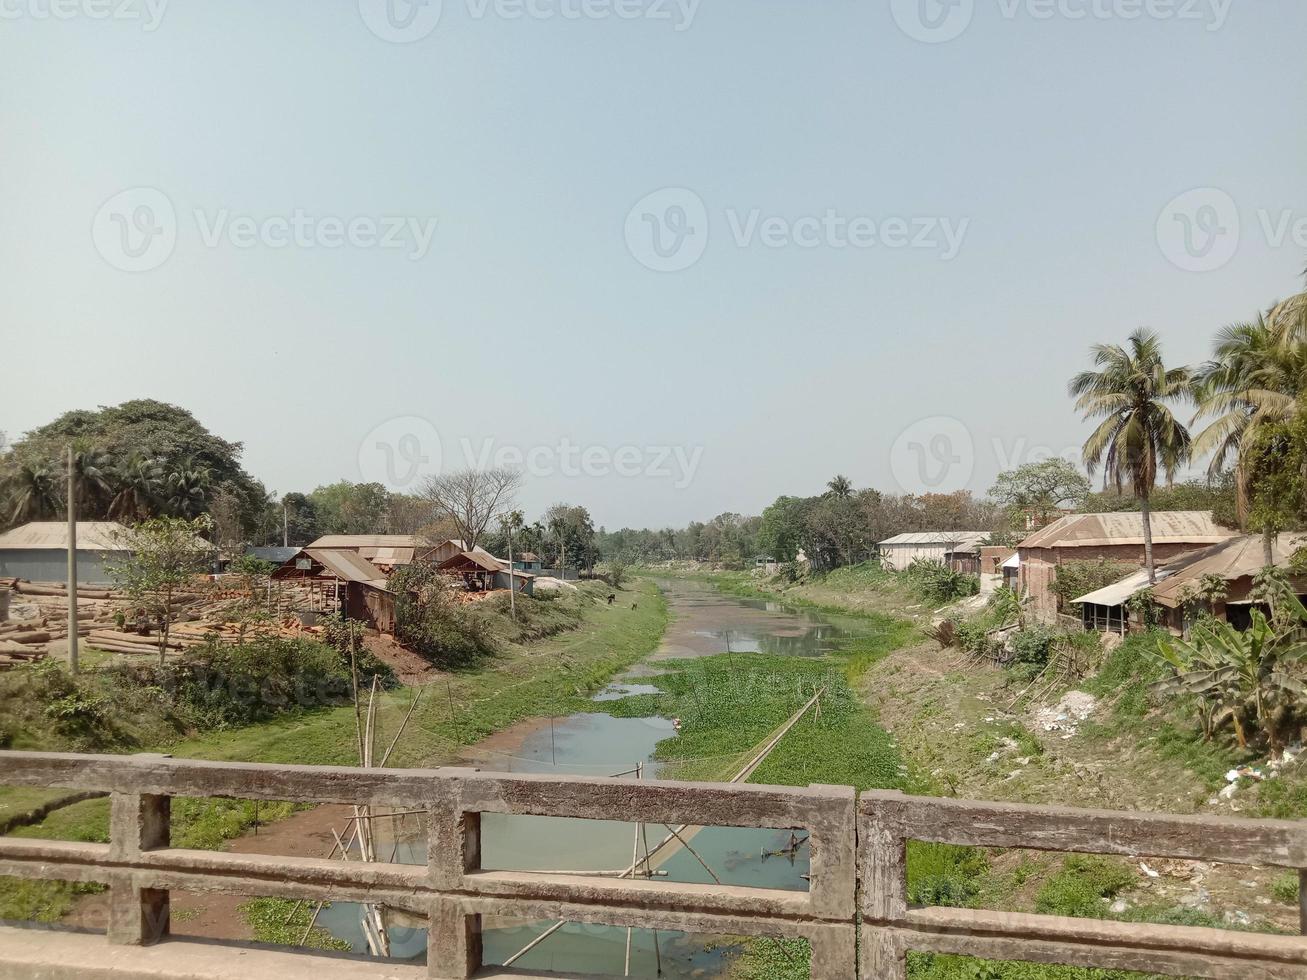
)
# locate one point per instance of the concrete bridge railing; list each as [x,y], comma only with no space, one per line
[857,891]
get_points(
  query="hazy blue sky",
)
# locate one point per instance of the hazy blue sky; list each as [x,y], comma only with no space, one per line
[1049,145]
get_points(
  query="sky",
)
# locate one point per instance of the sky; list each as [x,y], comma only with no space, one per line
[670,257]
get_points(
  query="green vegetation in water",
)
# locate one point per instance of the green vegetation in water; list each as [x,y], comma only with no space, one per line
[730,704]
[285,923]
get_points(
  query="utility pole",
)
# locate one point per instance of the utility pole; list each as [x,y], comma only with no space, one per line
[512,584]
[72,564]
[285,524]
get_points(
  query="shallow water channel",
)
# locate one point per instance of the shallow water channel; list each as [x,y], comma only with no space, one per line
[598,745]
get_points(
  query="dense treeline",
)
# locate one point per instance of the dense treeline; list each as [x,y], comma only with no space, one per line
[144,459]
[839,527]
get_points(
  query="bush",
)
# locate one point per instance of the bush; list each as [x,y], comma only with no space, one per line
[1077,578]
[1032,646]
[221,686]
[431,621]
[938,584]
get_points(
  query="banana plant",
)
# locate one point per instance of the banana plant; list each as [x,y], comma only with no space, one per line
[1246,677]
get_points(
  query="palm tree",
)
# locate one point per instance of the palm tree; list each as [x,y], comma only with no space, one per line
[186,487]
[1139,435]
[1253,380]
[840,486]
[139,480]
[33,491]
[90,481]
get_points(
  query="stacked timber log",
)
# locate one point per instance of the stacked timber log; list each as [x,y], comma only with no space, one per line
[106,617]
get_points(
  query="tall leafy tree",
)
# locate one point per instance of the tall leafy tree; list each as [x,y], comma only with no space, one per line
[1040,489]
[1139,436]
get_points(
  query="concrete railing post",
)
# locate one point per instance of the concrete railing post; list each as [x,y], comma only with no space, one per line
[883,860]
[453,850]
[138,915]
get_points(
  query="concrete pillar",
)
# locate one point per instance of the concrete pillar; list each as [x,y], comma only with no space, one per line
[883,955]
[453,941]
[834,952]
[138,915]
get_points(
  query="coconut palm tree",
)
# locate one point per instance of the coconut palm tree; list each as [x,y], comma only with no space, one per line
[91,474]
[1139,435]
[139,481]
[33,492]
[840,486]
[1253,380]
[186,487]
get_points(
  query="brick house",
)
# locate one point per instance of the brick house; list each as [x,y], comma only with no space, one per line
[1115,537]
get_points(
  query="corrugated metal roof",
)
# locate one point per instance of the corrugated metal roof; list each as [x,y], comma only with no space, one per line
[348,566]
[388,556]
[1118,592]
[1240,557]
[1194,527]
[355,541]
[53,536]
[480,558]
[953,538]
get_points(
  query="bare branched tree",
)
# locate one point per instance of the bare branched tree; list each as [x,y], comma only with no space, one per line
[470,499]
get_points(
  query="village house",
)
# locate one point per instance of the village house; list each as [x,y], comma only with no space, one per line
[1115,537]
[340,580]
[483,572]
[386,551]
[38,552]
[527,561]
[1179,591]
[959,550]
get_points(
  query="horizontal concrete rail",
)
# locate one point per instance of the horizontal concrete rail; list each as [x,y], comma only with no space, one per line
[452,891]
[850,842]
[887,821]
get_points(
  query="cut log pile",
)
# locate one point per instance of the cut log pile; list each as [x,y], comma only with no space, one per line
[201,616]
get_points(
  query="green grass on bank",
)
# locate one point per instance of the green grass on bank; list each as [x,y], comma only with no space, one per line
[859,590]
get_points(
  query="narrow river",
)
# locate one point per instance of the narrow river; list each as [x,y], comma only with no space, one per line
[705,621]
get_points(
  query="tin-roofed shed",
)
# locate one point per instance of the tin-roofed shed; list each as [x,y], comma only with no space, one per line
[38,551]
[960,550]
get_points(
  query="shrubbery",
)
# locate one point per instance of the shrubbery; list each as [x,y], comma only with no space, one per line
[1077,578]
[431,621]
[938,584]
[130,704]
